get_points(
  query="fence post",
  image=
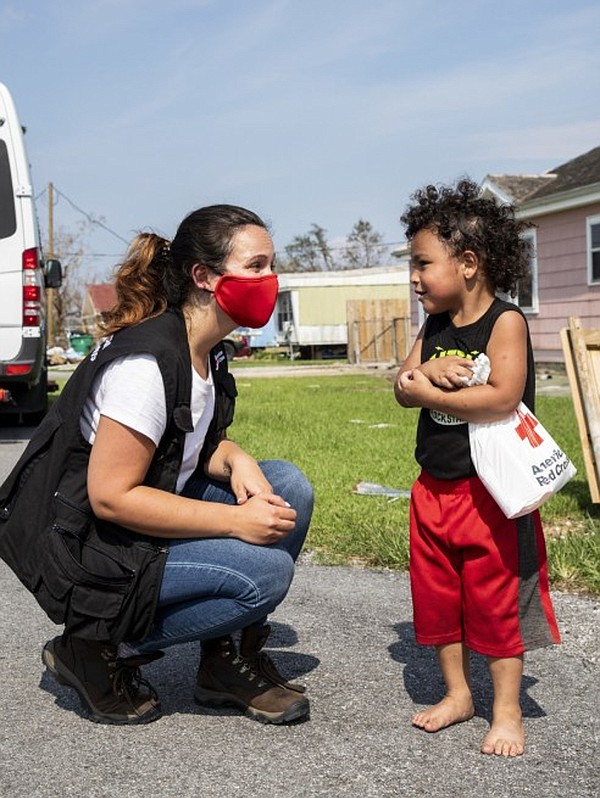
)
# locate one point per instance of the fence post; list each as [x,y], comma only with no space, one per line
[356,343]
[406,336]
[395,340]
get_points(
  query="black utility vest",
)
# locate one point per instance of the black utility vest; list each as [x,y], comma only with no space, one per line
[101,580]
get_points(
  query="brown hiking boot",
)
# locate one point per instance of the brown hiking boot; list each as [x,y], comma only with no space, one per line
[110,687]
[253,639]
[226,677]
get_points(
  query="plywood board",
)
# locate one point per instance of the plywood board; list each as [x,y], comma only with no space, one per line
[581,348]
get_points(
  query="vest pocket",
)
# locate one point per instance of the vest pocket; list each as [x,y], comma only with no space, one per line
[98,583]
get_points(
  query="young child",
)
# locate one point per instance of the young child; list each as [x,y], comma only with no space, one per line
[479,581]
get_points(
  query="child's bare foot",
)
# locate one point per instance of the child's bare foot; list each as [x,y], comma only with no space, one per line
[506,736]
[451,709]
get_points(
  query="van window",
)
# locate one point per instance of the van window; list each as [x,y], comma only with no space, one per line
[8,219]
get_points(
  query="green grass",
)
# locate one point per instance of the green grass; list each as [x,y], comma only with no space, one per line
[574,559]
[328,427]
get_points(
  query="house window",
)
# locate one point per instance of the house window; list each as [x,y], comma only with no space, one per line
[284,311]
[593,249]
[527,287]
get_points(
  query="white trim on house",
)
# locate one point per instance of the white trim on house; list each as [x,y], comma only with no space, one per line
[552,203]
[491,187]
[555,203]
[590,220]
[535,305]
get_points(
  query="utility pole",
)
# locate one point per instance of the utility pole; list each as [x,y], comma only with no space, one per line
[50,291]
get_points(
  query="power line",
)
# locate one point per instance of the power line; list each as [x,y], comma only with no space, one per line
[87,215]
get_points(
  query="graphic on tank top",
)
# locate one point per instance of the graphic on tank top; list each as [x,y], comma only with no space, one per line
[436,415]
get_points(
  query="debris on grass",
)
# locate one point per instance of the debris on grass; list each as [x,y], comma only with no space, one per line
[374,489]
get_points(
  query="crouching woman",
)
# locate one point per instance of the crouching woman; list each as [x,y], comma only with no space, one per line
[156,529]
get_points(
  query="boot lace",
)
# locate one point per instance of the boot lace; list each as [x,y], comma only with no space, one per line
[265,667]
[247,667]
[126,678]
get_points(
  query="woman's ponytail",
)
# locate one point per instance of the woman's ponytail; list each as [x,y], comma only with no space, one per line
[140,283]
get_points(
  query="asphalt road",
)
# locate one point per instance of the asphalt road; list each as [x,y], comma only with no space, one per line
[347,634]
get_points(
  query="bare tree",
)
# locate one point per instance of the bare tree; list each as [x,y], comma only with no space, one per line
[312,252]
[70,248]
[365,247]
[302,255]
[309,253]
[319,237]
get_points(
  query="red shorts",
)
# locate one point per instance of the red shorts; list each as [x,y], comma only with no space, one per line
[476,576]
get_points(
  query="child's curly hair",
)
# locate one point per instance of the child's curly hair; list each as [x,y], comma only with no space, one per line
[464,220]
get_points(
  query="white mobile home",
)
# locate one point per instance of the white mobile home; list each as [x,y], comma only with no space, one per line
[316,310]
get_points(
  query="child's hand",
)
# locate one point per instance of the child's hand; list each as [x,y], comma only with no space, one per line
[412,388]
[448,372]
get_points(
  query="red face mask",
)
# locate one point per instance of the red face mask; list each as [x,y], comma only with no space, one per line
[248,301]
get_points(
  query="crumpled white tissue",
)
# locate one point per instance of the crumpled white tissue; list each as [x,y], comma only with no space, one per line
[481,371]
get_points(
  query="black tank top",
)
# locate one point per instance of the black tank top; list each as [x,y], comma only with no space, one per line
[443,440]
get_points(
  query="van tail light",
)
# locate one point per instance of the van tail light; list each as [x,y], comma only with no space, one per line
[31,288]
[31,293]
[31,259]
[18,369]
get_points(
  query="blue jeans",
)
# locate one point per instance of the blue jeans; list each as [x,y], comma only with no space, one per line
[214,586]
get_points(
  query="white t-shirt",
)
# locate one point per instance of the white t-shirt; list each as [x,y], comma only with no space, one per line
[130,390]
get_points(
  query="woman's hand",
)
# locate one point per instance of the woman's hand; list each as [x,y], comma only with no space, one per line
[247,478]
[264,519]
[260,517]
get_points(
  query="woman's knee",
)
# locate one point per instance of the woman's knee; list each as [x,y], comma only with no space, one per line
[274,577]
[289,482]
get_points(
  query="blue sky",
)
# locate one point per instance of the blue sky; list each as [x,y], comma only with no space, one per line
[305,111]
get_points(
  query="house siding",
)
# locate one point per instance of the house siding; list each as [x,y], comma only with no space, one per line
[563,290]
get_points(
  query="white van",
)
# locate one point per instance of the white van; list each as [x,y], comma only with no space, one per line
[23,279]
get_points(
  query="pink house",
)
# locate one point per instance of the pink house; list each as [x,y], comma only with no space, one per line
[564,206]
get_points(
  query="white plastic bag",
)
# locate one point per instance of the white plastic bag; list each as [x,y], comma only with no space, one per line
[519,462]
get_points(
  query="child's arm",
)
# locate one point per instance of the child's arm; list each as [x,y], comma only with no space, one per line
[444,372]
[412,362]
[507,351]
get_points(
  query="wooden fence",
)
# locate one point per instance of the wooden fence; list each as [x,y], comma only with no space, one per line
[581,348]
[378,330]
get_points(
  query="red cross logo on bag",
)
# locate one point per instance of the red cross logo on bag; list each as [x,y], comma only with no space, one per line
[526,429]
